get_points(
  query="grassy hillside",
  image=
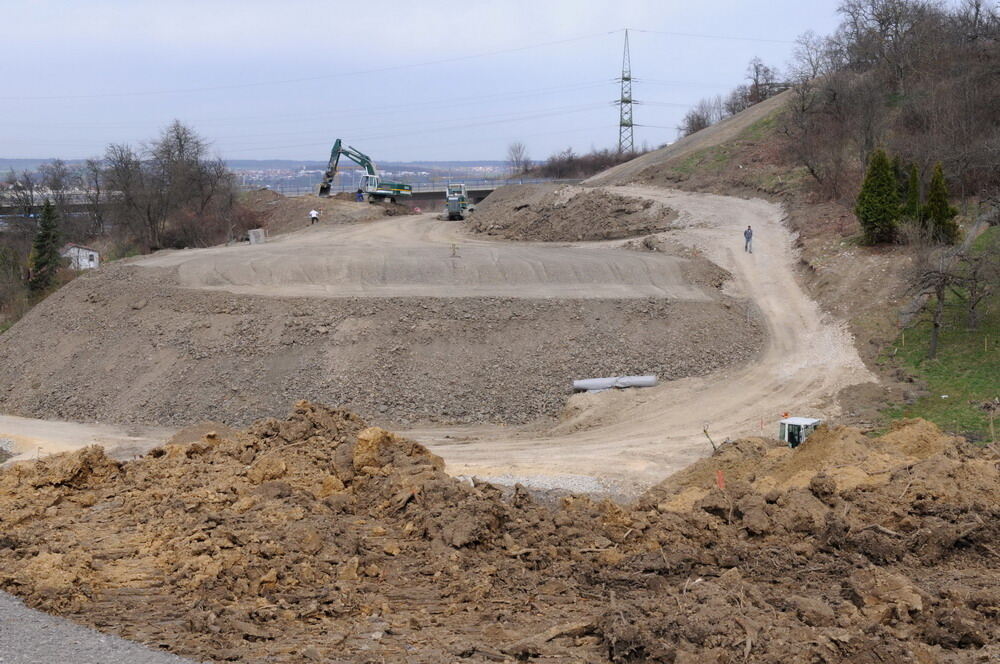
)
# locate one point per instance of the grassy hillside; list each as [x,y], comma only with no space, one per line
[965,373]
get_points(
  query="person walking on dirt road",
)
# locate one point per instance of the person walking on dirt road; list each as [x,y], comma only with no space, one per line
[313,217]
[748,236]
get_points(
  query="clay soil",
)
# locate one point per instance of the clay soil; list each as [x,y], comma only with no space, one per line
[554,213]
[317,538]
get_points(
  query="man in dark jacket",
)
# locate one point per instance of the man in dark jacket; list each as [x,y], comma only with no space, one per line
[748,236]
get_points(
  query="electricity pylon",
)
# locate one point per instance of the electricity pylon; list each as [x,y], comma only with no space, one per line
[625,141]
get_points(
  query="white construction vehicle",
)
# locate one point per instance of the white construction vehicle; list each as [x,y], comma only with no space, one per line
[795,430]
[457,203]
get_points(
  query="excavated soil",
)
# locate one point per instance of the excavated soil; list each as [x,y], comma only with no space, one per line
[282,214]
[317,538]
[554,213]
[127,345]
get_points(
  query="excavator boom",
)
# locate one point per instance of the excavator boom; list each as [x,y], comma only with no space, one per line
[372,184]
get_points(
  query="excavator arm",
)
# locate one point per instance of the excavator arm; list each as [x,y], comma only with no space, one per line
[358,157]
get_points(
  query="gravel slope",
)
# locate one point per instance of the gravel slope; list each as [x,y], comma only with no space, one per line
[32,637]
[166,340]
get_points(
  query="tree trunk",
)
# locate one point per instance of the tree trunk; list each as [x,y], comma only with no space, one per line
[936,328]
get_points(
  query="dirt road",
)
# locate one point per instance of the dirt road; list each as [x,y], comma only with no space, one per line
[27,438]
[632,439]
[620,441]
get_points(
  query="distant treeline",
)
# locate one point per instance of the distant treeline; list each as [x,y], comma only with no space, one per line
[165,193]
[570,165]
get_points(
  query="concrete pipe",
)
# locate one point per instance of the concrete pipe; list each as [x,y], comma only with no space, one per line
[599,384]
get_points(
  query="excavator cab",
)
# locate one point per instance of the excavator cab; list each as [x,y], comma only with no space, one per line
[368,183]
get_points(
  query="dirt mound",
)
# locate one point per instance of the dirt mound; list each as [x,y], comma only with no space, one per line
[317,537]
[553,213]
[201,355]
[283,214]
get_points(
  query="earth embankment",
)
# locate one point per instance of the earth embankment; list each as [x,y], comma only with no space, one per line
[567,213]
[162,343]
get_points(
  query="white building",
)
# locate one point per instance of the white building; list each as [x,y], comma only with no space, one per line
[81,257]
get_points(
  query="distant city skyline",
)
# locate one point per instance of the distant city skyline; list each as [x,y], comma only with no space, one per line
[417,81]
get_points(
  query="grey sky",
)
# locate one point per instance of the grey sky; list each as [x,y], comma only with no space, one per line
[266,79]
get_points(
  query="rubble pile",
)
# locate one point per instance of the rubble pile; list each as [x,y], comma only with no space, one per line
[566,213]
[318,538]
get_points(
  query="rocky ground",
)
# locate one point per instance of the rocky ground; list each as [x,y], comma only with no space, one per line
[566,213]
[317,538]
[129,346]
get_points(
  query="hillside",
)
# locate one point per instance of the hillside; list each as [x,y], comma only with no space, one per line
[746,155]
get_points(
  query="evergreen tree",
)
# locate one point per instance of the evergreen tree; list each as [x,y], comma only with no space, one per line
[878,202]
[939,215]
[900,174]
[911,202]
[45,250]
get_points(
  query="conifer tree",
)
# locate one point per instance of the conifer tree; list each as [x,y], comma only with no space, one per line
[911,203]
[900,174]
[878,202]
[939,214]
[45,250]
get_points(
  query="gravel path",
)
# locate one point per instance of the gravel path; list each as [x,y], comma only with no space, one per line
[32,637]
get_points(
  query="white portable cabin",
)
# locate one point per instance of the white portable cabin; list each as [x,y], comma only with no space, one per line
[81,257]
[794,430]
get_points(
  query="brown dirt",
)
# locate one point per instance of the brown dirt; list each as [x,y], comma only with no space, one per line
[283,214]
[554,213]
[316,538]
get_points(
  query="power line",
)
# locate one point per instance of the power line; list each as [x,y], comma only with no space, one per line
[339,113]
[325,77]
[703,36]
[424,130]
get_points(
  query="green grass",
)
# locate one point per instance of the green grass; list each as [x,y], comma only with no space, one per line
[6,325]
[966,369]
[761,129]
[708,160]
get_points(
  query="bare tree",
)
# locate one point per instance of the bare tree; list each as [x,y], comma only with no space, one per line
[978,271]
[92,183]
[517,155]
[738,100]
[705,113]
[933,274]
[140,204]
[23,191]
[56,180]
[762,79]
[171,179]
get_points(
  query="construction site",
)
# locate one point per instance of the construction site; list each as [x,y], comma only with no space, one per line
[545,422]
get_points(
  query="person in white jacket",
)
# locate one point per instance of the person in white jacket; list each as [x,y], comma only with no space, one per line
[313,217]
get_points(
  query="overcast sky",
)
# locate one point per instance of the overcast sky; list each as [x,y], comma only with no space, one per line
[423,79]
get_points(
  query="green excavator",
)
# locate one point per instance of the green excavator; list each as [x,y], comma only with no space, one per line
[370,185]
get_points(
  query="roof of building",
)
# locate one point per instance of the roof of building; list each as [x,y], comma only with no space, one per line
[73,245]
[802,421]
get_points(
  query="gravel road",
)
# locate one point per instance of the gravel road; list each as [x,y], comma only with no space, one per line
[422,256]
[32,637]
